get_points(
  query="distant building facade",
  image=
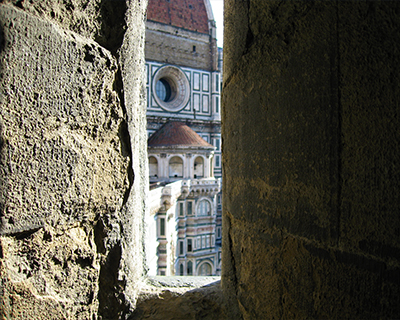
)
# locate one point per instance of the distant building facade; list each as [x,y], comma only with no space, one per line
[183,88]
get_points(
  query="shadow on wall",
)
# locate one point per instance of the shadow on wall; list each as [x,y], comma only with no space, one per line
[113,25]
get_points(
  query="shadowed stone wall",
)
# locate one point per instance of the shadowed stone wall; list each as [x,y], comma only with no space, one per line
[73,172]
[311,177]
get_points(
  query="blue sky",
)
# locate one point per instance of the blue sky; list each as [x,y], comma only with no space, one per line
[218,11]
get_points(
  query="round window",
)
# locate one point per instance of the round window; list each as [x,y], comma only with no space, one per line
[163,90]
[171,88]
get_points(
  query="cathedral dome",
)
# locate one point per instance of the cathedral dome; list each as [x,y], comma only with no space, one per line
[177,134]
[187,14]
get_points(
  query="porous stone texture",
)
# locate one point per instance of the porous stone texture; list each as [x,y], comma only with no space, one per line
[132,266]
[73,173]
[311,178]
[180,298]
[311,215]
[60,123]
[100,20]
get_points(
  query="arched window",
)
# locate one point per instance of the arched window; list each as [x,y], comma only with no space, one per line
[153,167]
[198,171]
[204,208]
[181,269]
[176,167]
[189,268]
[205,269]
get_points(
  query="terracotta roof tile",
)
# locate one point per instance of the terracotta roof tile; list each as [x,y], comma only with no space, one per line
[187,14]
[177,134]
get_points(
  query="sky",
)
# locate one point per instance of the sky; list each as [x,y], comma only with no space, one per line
[218,11]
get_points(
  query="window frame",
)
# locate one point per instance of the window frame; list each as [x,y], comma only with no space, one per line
[189,242]
[189,204]
[181,209]
[199,205]
[162,227]
[181,248]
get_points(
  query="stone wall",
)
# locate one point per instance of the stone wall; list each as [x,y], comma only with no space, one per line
[311,216]
[72,162]
[311,179]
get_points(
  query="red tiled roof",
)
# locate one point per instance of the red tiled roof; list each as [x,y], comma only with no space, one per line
[177,134]
[187,14]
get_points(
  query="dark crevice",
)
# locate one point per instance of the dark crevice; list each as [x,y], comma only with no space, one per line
[57,261]
[123,132]
[131,178]
[113,25]
[99,236]
[118,87]
[111,296]
[235,281]
[249,35]
[112,304]
[233,272]
[124,138]
[20,4]
[89,57]
[22,234]
[249,39]
[84,262]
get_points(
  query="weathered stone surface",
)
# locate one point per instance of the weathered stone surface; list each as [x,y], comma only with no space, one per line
[370,137]
[62,157]
[71,193]
[163,302]
[99,20]
[311,222]
[310,151]
[132,267]
[50,269]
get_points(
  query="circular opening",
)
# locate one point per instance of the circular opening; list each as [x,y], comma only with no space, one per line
[171,88]
[163,90]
